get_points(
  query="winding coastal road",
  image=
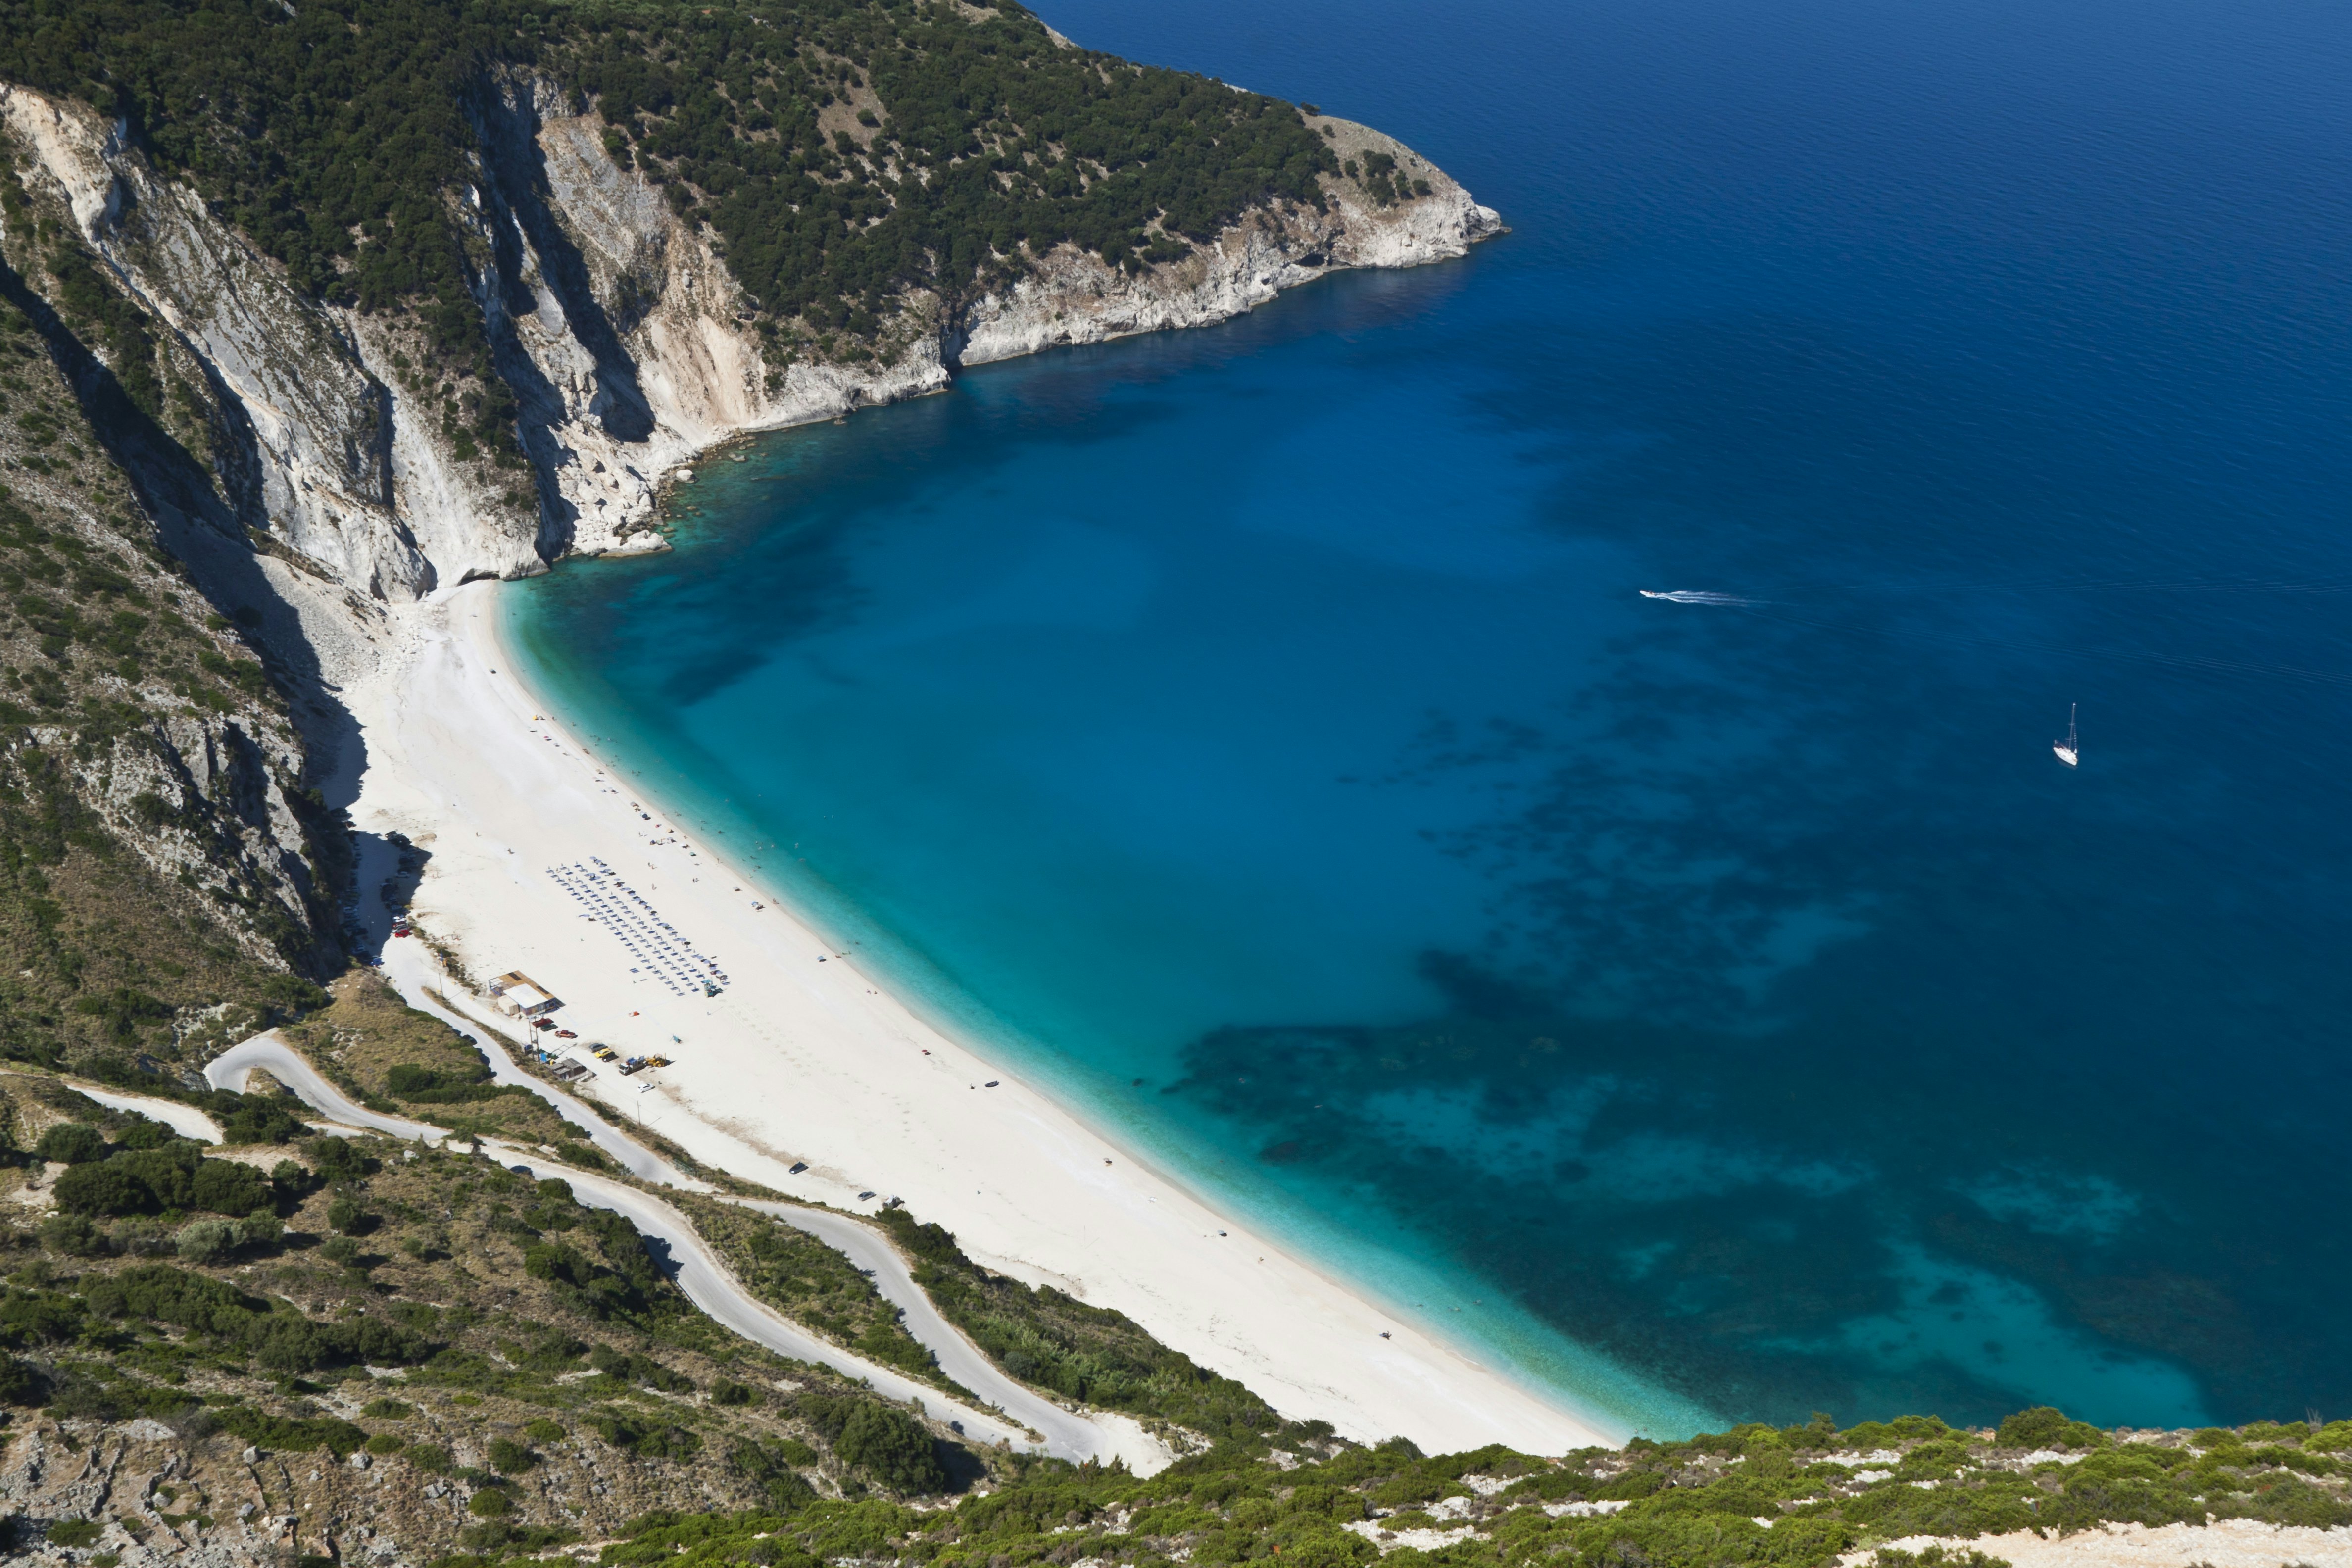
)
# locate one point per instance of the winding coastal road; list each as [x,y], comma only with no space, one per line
[697,1269]
[408,966]
[1067,1434]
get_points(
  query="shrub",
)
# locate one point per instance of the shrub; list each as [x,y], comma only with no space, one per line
[72,1143]
[107,1187]
[74,1532]
[337,1436]
[21,1382]
[208,1240]
[428,1086]
[144,1132]
[489,1503]
[1937,1557]
[727,1391]
[346,1215]
[769,1467]
[387,1410]
[227,1186]
[635,1367]
[511,1458]
[500,1539]
[385,1442]
[646,1439]
[74,1236]
[334,1158]
[892,1447]
[540,1429]
[255,1119]
[143,1181]
[2045,1426]
[261,1228]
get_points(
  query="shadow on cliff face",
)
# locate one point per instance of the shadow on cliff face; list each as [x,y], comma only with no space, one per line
[517,201]
[199,529]
[386,870]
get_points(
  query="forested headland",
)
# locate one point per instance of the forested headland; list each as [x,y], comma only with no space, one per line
[845,151]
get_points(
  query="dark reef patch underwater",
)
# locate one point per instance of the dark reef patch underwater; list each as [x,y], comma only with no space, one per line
[1741,993]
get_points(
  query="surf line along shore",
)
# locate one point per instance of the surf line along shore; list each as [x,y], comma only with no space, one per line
[802,1059]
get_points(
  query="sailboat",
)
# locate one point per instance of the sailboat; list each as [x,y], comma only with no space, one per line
[2067,752]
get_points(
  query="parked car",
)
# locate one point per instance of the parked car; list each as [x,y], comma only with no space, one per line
[566,1035]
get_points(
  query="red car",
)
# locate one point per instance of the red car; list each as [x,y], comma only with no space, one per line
[566,1035]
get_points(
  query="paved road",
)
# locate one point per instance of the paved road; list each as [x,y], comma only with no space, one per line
[184,1119]
[289,1067]
[706,1282]
[1069,1434]
[408,964]
[708,1285]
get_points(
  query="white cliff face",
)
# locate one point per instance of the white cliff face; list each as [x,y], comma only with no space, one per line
[319,421]
[1074,298]
[690,370]
[629,343]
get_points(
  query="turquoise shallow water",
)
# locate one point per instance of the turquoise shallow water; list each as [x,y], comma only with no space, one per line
[1733,1010]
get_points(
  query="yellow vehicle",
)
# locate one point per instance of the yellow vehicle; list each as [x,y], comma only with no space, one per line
[656,1061]
[605,1054]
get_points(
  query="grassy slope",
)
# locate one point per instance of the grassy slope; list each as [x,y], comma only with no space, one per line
[514,1316]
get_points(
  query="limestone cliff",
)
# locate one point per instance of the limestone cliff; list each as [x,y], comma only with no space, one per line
[619,327]
[1073,298]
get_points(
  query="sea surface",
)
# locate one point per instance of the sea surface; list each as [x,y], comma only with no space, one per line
[1709,1011]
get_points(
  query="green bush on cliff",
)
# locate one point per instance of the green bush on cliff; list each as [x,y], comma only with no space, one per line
[342,138]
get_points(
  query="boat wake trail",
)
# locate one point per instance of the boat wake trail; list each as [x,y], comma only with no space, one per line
[1693,596]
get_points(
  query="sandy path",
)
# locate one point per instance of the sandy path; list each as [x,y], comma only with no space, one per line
[803,1059]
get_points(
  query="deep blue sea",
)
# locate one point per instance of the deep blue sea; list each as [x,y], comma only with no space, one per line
[1712,1011]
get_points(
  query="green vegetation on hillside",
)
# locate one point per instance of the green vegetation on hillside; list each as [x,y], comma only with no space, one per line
[1797,1498]
[452,1320]
[487,1332]
[1058,1344]
[812,1284]
[109,660]
[395,1059]
[847,151]
[979,140]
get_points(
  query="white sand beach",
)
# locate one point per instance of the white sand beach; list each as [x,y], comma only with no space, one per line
[805,1060]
